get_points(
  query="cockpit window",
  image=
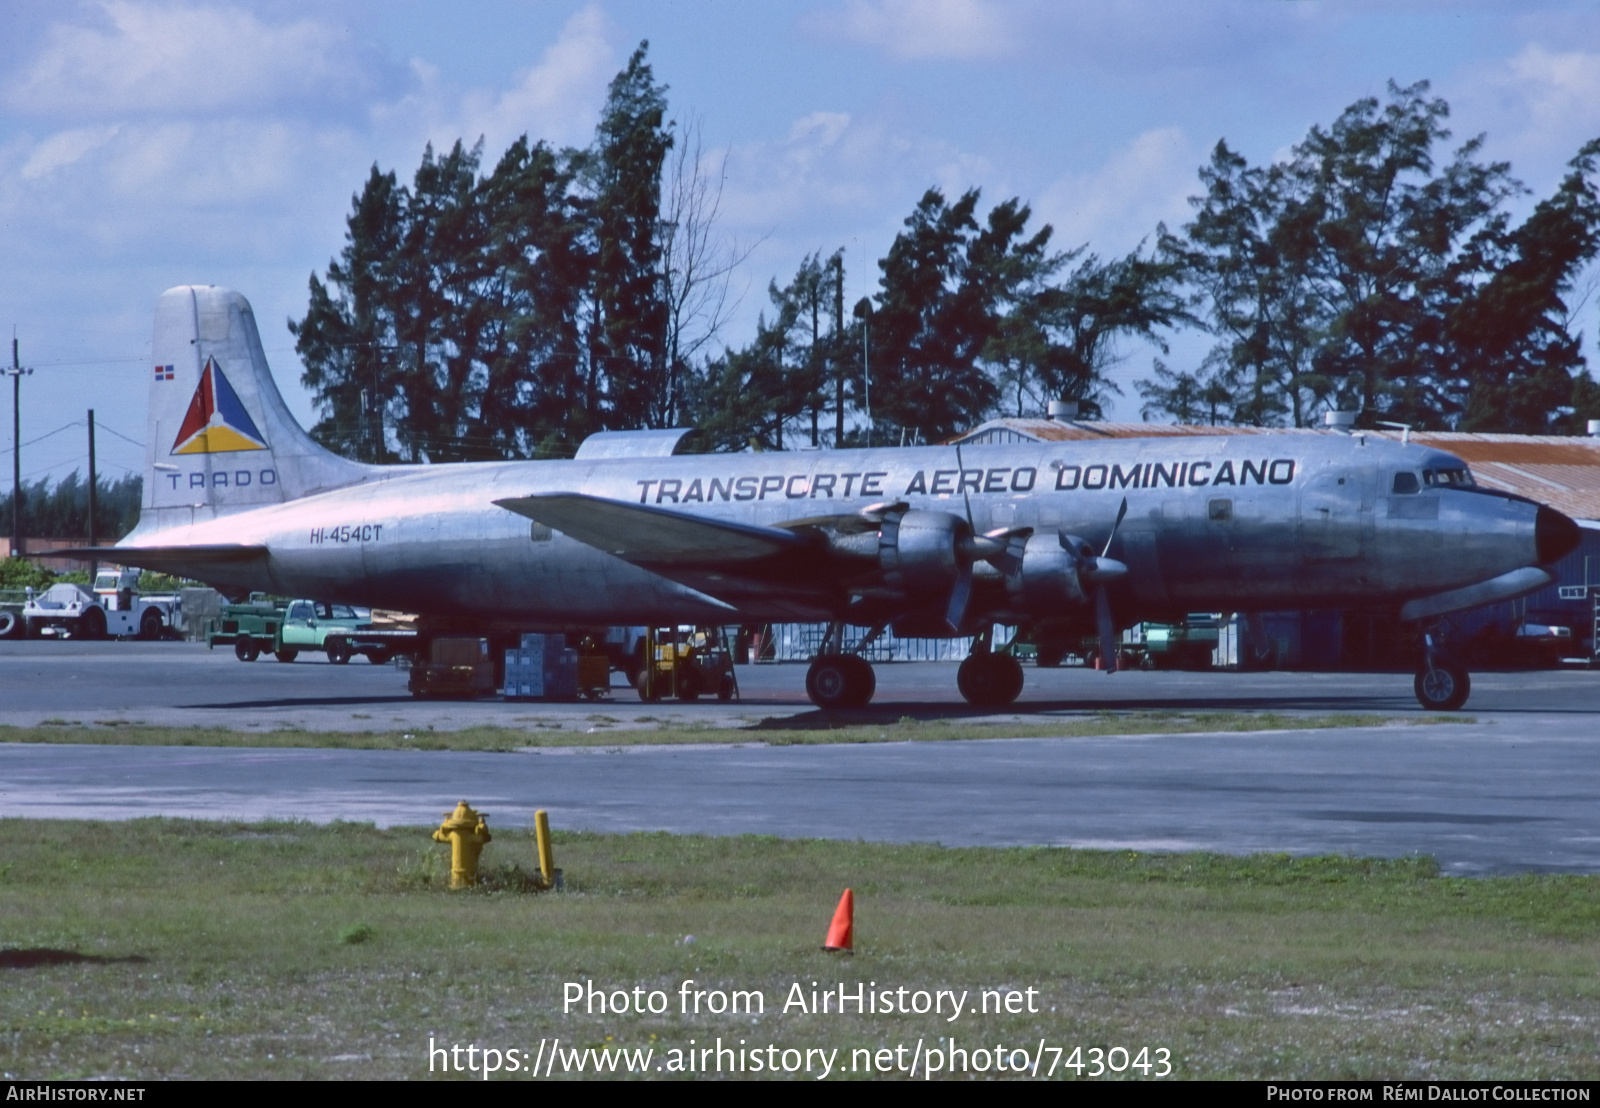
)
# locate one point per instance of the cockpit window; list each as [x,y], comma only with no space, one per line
[1406,482]
[1448,478]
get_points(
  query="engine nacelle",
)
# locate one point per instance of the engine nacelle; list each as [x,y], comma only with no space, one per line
[919,552]
[1050,581]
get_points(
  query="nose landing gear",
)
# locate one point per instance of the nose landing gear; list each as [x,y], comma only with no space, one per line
[1442,685]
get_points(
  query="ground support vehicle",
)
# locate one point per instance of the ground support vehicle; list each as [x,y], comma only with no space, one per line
[455,666]
[335,629]
[1191,644]
[687,662]
[71,611]
[11,602]
[249,628]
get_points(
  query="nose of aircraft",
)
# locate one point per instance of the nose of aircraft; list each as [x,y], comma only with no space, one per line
[1555,535]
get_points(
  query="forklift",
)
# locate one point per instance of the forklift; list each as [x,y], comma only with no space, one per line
[687,662]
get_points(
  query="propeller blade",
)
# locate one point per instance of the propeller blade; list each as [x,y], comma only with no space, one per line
[1108,631]
[960,471]
[959,595]
[1122,511]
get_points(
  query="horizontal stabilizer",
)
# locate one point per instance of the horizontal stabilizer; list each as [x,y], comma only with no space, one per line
[167,557]
[651,537]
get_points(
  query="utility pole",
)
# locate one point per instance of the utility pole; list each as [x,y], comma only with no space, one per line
[94,563]
[16,372]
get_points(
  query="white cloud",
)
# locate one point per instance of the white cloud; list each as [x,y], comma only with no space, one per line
[556,100]
[162,58]
[1537,106]
[1117,204]
[65,149]
[926,30]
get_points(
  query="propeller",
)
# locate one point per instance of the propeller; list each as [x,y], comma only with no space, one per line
[1099,573]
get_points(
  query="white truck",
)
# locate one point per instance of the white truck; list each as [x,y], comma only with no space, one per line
[115,608]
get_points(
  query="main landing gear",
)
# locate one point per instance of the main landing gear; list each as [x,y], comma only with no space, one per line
[989,680]
[1442,685]
[837,680]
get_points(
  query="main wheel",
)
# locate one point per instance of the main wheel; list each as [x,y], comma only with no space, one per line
[840,681]
[989,680]
[10,624]
[725,688]
[150,625]
[338,648]
[378,657]
[1444,688]
[245,649]
[287,654]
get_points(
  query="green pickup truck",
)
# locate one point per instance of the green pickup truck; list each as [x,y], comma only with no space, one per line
[284,630]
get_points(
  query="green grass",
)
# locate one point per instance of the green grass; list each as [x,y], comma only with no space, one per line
[291,950]
[604,731]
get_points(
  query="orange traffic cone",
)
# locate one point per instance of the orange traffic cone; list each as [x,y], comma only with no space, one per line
[842,931]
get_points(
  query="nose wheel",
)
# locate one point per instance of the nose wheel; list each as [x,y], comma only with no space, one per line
[1442,686]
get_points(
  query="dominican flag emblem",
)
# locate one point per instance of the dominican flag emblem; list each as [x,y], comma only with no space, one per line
[216,421]
[164,373]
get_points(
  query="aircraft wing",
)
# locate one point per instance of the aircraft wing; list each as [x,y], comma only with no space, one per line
[723,558]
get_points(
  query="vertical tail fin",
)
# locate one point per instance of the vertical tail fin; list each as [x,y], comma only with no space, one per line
[221,438]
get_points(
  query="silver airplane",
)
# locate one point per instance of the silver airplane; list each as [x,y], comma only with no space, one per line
[1064,540]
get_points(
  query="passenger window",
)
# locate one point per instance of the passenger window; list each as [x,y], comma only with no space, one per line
[1221,510]
[1405,482]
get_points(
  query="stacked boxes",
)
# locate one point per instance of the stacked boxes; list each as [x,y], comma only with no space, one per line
[543,667]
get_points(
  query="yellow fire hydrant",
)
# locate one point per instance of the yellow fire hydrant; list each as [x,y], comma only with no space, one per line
[466,831]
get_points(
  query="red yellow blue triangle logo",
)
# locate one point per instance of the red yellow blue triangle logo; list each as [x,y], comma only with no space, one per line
[216,421]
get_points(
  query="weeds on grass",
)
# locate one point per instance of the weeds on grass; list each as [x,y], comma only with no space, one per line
[1272,966]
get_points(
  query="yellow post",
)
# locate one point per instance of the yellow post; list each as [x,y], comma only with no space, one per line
[547,861]
[466,831]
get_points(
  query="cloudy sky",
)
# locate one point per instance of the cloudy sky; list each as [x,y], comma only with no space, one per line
[150,144]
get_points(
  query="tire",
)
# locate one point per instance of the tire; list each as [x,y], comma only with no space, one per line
[1444,688]
[649,691]
[378,657]
[92,624]
[245,649]
[10,625]
[150,625]
[725,687]
[286,655]
[989,680]
[688,686]
[829,684]
[839,681]
[338,650]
